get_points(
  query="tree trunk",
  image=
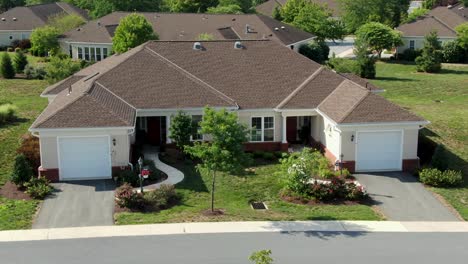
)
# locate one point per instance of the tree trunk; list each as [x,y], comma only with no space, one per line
[213,191]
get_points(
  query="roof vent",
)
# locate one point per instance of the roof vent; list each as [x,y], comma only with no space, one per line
[238,45]
[99,23]
[283,27]
[78,29]
[3,19]
[449,6]
[234,19]
[197,46]
[247,29]
[14,19]
[276,29]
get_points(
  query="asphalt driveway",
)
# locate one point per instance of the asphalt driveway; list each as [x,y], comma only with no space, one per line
[402,198]
[78,203]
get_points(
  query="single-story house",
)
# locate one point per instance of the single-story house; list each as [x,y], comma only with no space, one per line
[93,41]
[442,19]
[18,22]
[95,116]
[269,6]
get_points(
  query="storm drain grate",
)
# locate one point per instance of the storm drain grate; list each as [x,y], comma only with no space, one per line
[258,206]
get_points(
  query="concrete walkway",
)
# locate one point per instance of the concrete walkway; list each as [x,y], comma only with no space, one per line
[230,227]
[174,176]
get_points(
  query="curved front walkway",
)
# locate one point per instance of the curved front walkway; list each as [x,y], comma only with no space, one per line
[174,176]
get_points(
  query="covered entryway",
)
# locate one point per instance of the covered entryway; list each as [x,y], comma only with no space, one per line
[82,158]
[379,151]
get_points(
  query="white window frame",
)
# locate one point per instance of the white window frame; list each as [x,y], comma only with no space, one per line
[202,136]
[262,129]
[412,44]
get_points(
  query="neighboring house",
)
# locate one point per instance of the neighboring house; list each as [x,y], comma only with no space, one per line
[415,5]
[95,116]
[93,41]
[442,19]
[18,22]
[269,6]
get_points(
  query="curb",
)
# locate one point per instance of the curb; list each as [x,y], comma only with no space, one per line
[230,227]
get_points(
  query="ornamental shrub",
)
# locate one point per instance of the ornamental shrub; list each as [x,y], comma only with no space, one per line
[452,52]
[7,113]
[38,188]
[6,68]
[127,198]
[316,51]
[161,197]
[30,149]
[439,158]
[20,61]
[409,54]
[436,178]
[34,72]
[22,172]
[128,177]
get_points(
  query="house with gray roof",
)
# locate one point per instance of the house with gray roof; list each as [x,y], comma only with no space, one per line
[18,22]
[93,41]
[442,19]
[95,116]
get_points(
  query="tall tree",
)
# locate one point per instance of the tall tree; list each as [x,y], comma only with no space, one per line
[132,31]
[431,57]
[378,36]
[44,40]
[7,70]
[8,4]
[64,23]
[181,129]
[190,6]
[462,35]
[20,61]
[224,153]
[365,59]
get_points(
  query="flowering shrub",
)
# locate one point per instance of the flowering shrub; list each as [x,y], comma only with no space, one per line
[38,188]
[337,188]
[127,198]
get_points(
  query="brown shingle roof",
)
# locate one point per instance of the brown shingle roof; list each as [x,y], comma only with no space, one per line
[361,81]
[62,85]
[183,26]
[443,20]
[269,6]
[174,75]
[31,17]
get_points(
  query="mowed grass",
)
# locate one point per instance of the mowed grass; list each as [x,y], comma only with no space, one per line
[233,194]
[419,92]
[24,94]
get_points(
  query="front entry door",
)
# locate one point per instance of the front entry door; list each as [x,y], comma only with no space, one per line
[154,130]
[291,129]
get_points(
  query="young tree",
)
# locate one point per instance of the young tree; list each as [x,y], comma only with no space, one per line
[190,6]
[365,60]
[132,31]
[245,5]
[44,40]
[229,9]
[60,68]
[417,13]
[8,4]
[181,129]
[6,68]
[261,257]
[462,35]
[378,36]
[22,172]
[224,153]
[431,57]
[315,50]
[291,9]
[20,61]
[64,23]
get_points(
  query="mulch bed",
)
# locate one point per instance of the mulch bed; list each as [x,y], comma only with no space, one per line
[11,191]
[150,182]
[312,202]
[216,212]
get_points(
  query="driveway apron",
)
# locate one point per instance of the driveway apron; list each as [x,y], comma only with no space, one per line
[402,198]
[78,203]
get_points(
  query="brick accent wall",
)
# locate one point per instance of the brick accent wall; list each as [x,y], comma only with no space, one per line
[50,174]
[410,165]
[265,146]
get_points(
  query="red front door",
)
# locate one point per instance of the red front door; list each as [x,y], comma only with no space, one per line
[154,131]
[291,129]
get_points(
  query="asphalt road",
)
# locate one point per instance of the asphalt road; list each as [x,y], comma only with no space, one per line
[287,248]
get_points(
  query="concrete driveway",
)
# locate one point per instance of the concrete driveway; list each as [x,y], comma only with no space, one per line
[78,203]
[402,198]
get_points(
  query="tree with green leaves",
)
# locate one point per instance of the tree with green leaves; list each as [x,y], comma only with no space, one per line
[6,68]
[60,68]
[417,13]
[462,35]
[378,36]
[365,59]
[64,23]
[190,6]
[465,3]
[228,9]
[431,57]
[261,257]
[245,5]
[360,12]
[181,129]
[315,50]
[20,61]
[8,4]
[22,172]
[224,153]
[132,31]
[44,40]
[430,4]
[291,9]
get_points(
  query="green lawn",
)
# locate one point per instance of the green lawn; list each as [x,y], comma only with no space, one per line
[31,59]
[233,194]
[25,95]
[418,92]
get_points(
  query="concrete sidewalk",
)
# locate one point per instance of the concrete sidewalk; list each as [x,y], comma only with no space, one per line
[230,227]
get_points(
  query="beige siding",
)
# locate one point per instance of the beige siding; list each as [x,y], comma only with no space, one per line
[120,152]
[418,42]
[245,117]
[5,36]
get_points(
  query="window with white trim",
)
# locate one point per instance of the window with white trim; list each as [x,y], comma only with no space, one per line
[411,44]
[196,135]
[80,53]
[262,129]
[86,53]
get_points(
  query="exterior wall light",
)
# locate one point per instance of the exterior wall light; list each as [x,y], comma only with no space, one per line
[114,141]
[352,138]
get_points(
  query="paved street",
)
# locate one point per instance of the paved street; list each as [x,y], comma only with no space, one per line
[287,248]
[78,203]
[402,198]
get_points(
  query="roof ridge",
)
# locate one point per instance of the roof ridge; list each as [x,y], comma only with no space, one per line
[120,98]
[443,23]
[58,4]
[192,76]
[107,108]
[299,88]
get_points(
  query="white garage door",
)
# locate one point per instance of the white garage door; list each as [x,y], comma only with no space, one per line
[84,158]
[379,151]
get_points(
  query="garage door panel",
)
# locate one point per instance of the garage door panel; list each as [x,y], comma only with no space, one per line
[379,151]
[84,157]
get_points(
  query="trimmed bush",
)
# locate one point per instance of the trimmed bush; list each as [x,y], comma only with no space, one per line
[409,54]
[439,158]
[162,197]
[20,61]
[316,51]
[60,68]
[342,65]
[6,68]
[38,188]
[337,188]
[22,172]
[436,178]
[128,177]
[34,72]
[7,113]
[127,198]
[31,150]
[452,52]
[269,156]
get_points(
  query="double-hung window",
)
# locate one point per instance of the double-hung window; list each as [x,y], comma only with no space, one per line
[262,129]
[411,44]
[196,135]
[86,53]
[80,53]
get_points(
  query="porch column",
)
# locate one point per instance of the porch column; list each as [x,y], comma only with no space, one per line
[168,125]
[283,135]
